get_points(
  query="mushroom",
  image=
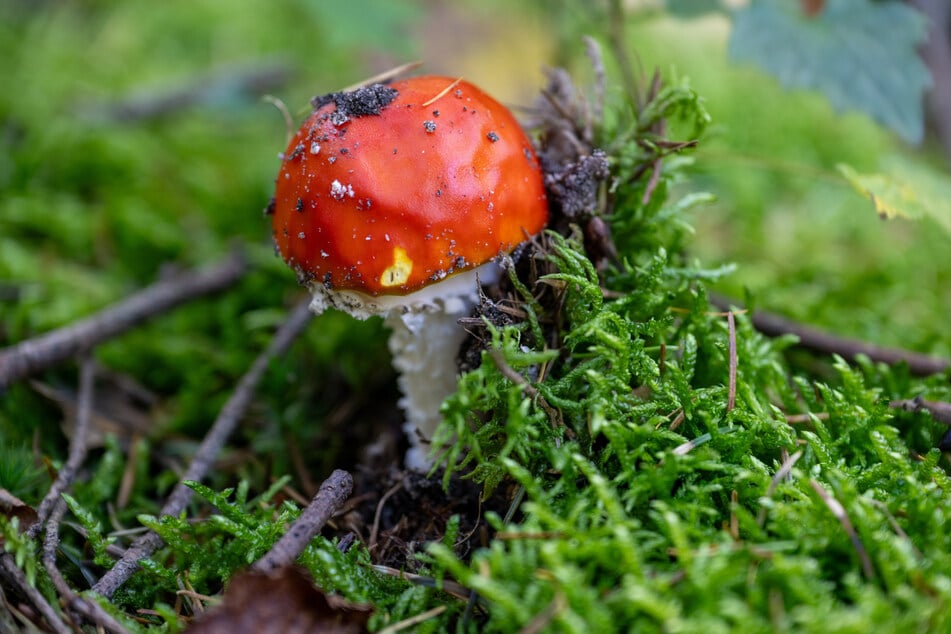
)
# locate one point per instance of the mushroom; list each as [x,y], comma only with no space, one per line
[397,200]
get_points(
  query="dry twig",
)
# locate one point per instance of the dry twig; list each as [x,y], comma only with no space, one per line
[77,447]
[783,472]
[940,411]
[840,514]
[204,457]
[554,416]
[17,579]
[86,608]
[39,353]
[731,398]
[332,494]
[375,531]
[773,325]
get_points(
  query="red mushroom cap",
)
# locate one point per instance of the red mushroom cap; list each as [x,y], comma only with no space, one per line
[391,187]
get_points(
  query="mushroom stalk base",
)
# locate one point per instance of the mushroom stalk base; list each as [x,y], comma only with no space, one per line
[425,342]
[425,346]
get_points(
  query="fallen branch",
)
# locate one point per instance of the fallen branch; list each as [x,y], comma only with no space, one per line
[332,494]
[77,447]
[18,580]
[39,353]
[77,604]
[773,325]
[939,410]
[205,456]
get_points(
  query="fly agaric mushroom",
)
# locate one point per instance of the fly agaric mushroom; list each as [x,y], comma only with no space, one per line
[397,200]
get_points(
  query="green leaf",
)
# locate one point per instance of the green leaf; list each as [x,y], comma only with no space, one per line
[693,8]
[861,55]
[905,190]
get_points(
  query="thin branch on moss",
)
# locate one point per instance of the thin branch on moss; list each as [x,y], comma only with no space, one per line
[939,410]
[678,419]
[332,494]
[422,617]
[840,514]
[17,579]
[204,457]
[77,446]
[799,419]
[554,416]
[44,351]
[896,526]
[782,473]
[773,325]
[88,609]
[375,531]
[543,619]
[731,398]
[449,587]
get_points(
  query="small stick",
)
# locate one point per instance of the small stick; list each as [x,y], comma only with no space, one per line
[940,411]
[384,77]
[839,511]
[554,416]
[784,470]
[17,578]
[798,419]
[214,440]
[414,620]
[773,325]
[442,93]
[81,605]
[731,398]
[77,446]
[375,531]
[39,353]
[332,494]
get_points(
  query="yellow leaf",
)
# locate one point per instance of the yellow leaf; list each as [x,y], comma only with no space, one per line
[905,189]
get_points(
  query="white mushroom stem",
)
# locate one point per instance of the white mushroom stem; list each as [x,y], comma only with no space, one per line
[425,346]
[425,340]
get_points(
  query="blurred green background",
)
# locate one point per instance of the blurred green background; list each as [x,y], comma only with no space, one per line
[134,135]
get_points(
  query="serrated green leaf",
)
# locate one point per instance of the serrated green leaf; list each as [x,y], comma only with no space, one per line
[861,55]
[905,191]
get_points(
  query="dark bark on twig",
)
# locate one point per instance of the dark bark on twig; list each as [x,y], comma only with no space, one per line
[17,579]
[810,338]
[939,410]
[39,353]
[332,494]
[205,456]
[77,446]
[77,605]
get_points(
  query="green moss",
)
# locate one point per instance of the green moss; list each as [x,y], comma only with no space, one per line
[649,504]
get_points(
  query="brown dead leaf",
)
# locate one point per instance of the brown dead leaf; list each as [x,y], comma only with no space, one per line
[11,506]
[285,602]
